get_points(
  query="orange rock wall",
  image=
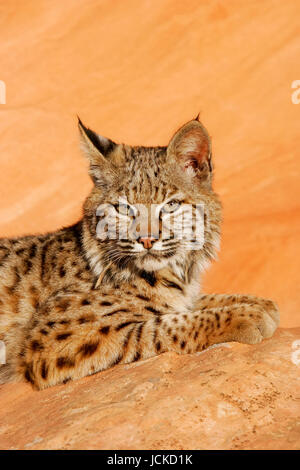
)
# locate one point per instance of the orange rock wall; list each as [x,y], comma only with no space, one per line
[135,71]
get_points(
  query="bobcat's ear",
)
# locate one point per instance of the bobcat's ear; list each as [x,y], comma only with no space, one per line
[102,154]
[191,147]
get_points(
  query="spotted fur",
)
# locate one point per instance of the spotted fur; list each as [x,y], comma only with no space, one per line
[72,304]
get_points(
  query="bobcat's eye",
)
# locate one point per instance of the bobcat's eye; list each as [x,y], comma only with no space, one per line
[171,206]
[124,209]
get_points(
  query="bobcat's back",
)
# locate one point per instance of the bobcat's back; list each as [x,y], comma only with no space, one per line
[32,269]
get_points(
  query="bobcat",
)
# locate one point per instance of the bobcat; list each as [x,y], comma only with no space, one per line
[73,303]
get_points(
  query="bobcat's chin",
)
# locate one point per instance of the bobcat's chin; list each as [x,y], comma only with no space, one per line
[150,262]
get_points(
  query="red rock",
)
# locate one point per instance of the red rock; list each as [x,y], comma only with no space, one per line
[233,396]
[135,72]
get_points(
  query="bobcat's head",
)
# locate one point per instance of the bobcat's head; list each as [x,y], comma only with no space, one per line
[150,206]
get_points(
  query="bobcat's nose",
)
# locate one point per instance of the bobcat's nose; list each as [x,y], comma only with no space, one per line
[147,242]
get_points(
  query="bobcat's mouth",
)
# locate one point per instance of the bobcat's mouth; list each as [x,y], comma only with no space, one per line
[127,254]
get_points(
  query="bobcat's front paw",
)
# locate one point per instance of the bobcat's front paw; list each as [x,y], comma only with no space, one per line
[256,323]
[272,309]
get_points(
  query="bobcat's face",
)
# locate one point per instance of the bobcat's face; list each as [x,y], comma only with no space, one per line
[152,233]
[150,205]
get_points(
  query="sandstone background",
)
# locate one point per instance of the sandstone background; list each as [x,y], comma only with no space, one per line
[135,71]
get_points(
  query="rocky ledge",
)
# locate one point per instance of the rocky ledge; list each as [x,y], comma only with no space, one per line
[232,396]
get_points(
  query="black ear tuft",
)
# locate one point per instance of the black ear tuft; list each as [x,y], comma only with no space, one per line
[102,144]
[101,154]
